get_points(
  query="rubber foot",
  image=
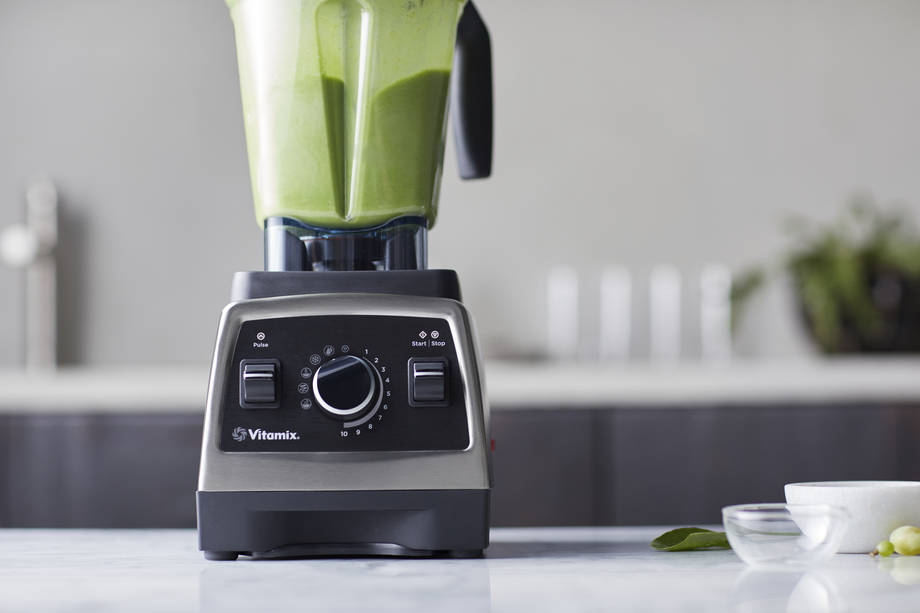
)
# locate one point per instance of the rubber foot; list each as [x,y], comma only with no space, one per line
[465,554]
[221,556]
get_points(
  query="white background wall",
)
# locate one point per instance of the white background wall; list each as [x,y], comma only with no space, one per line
[628,132]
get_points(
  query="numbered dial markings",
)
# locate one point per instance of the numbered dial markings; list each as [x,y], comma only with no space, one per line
[353,388]
[372,419]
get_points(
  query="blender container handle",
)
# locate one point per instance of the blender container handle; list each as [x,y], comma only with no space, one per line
[471,96]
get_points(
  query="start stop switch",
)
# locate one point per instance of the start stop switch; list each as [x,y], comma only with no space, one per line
[428,382]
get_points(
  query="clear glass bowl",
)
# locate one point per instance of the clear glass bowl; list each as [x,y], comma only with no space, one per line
[784,534]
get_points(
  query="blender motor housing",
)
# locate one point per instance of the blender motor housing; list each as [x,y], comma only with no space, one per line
[345,416]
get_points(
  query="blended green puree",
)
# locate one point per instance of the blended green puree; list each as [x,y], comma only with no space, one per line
[325,175]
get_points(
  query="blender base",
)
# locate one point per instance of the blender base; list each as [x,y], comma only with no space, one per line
[417,486]
[296,524]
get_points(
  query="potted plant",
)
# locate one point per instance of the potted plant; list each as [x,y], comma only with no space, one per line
[857,280]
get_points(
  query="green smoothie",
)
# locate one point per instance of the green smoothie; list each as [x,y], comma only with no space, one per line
[352,152]
[391,170]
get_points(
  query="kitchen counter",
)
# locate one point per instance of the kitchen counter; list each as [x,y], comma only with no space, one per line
[510,384]
[689,384]
[563,569]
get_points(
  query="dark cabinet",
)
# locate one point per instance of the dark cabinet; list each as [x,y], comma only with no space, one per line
[660,466]
[99,471]
[566,466]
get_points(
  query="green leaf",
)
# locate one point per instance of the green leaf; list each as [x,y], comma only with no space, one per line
[690,539]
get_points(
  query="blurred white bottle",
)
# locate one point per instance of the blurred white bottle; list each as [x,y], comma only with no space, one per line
[664,313]
[562,313]
[615,314]
[715,313]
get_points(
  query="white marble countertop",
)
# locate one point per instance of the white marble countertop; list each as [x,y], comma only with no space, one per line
[511,385]
[526,570]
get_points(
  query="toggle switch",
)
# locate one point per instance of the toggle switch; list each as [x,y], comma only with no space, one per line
[258,384]
[427,381]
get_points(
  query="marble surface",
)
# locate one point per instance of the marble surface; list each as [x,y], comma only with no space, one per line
[510,385]
[526,570]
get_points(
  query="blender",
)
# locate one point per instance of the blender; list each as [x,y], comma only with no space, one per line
[345,411]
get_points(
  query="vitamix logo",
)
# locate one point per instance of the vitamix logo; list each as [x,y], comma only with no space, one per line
[239,435]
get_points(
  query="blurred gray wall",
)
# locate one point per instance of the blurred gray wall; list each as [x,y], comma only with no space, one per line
[628,132]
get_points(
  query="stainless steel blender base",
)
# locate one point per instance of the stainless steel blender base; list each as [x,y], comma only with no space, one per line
[288,479]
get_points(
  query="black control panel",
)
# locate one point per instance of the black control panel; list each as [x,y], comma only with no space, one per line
[344,383]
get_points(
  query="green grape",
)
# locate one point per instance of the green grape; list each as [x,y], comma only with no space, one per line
[885,549]
[906,540]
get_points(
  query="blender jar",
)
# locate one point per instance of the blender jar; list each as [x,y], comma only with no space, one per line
[345,111]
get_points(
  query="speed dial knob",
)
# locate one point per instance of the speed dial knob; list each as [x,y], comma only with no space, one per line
[345,387]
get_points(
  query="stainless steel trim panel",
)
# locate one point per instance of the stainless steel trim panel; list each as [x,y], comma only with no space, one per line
[340,471]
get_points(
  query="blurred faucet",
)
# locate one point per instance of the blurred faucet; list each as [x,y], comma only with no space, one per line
[32,246]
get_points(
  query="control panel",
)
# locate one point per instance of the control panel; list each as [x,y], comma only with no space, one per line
[344,383]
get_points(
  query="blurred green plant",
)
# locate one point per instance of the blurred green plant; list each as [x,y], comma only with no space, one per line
[855,276]
[744,285]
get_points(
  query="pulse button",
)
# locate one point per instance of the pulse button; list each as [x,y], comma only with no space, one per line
[258,384]
[428,381]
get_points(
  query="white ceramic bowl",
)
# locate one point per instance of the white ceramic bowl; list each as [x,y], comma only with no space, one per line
[875,507]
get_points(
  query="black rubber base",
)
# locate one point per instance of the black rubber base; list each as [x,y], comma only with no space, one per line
[342,551]
[413,523]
